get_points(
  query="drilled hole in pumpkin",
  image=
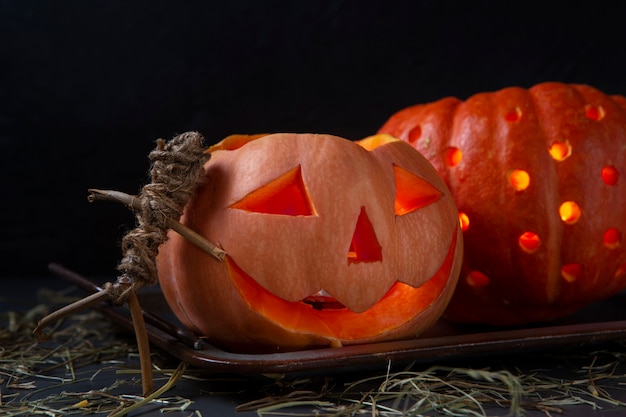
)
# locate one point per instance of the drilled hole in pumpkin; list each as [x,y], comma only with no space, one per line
[560,150]
[594,112]
[610,175]
[286,195]
[464,221]
[612,238]
[476,279]
[513,115]
[621,271]
[452,156]
[529,242]
[415,134]
[571,272]
[412,192]
[519,179]
[364,246]
[569,212]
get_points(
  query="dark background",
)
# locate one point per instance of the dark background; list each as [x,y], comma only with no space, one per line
[87,86]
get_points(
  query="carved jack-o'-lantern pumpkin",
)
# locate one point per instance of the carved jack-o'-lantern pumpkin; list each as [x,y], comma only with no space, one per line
[537,175]
[327,243]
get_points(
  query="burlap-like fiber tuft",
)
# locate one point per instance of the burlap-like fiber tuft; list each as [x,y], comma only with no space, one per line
[176,172]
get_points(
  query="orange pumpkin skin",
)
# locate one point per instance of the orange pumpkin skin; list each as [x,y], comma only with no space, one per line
[298,213]
[538,177]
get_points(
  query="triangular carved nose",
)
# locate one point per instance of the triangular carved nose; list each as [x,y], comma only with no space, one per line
[364,246]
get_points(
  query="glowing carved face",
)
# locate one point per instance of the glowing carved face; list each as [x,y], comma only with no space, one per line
[326,240]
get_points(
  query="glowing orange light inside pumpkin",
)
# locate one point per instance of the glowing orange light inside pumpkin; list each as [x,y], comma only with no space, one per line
[571,272]
[452,156]
[372,142]
[412,192]
[286,195]
[477,279]
[569,212]
[464,221]
[594,112]
[610,175]
[612,238]
[529,242]
[232,142]
[519,179]
[364,246]
[513,115]
[560,150]
[398,304]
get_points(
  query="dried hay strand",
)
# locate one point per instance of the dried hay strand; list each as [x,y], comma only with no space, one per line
[43,379]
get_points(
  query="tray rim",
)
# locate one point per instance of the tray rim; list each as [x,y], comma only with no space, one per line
[179,343]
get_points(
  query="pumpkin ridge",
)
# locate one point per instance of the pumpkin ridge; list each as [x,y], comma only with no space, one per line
[446,175]
[511,147]
[547,121]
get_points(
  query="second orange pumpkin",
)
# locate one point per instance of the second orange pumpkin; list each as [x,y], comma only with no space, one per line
[539,179]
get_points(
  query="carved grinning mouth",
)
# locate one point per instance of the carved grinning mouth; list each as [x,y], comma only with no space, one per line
[321,314]
[322,300]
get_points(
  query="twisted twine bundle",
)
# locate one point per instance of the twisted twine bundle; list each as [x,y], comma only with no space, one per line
[176,172]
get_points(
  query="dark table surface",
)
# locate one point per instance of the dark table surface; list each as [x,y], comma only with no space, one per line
[91,365]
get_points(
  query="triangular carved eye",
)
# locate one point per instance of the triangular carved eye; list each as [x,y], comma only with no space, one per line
[285,195]
[412,192]
[364,246]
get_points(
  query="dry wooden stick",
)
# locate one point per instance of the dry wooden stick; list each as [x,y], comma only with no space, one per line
[83,303]
[133,203]
[143,344]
